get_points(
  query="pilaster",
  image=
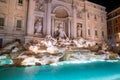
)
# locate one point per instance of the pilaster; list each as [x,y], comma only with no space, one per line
[48,16]
[30,23]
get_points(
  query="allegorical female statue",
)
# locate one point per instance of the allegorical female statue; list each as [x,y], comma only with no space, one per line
[38,27]
[79,30]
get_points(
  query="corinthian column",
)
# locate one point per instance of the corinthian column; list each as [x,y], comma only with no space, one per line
[53,26]
[30,23]
[48,16]
[69,27]
[74,19]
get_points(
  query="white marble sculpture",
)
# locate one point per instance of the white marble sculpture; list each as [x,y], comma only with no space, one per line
[38,28]
[61,33]
[79,30]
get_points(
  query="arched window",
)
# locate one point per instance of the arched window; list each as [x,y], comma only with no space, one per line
[20,2]
[96,33]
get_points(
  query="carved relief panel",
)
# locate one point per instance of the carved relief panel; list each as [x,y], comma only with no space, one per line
[39,6]
[79,14]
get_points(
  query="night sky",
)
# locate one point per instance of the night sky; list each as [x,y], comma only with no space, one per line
[109,4]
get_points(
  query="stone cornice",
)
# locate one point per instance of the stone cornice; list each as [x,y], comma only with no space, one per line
[48,1]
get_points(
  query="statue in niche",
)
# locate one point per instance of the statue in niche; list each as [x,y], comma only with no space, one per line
[79,30]
[38,28]
[60,33]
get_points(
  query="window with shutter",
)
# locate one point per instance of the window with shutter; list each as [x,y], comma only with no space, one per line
[2,21]
[19,24]
[1,42]
[103,33]
[96,34]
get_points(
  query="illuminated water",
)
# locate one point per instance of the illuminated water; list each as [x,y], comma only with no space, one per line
[101,70]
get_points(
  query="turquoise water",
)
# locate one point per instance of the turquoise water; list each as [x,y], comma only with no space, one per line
[5,61]
[83,71]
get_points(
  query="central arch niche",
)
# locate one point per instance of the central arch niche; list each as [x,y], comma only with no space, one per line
[61,13]
[62,17]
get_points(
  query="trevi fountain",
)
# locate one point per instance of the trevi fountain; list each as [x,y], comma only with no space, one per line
[59,52]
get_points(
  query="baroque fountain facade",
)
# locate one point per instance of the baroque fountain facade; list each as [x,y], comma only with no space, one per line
[58,33]
[76,18]
[56,29]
